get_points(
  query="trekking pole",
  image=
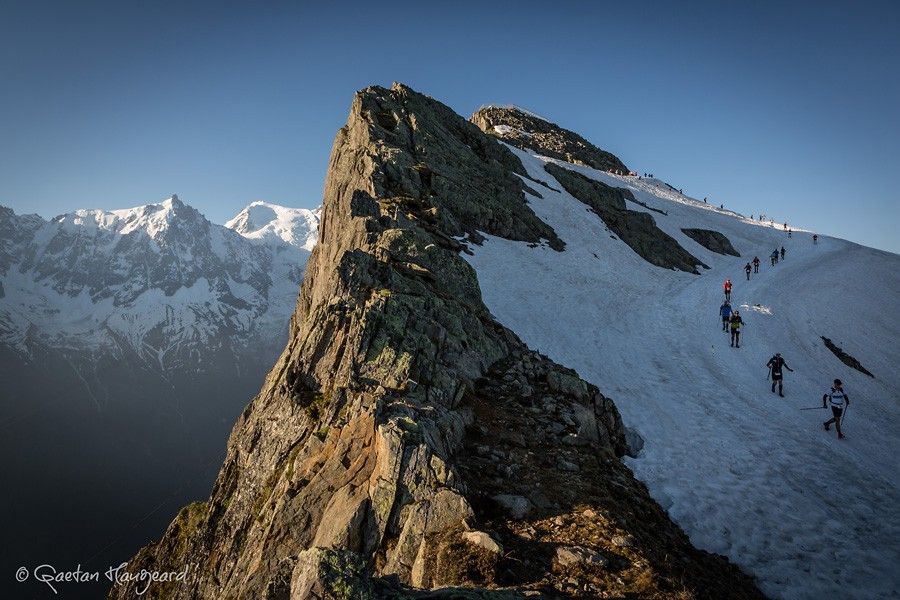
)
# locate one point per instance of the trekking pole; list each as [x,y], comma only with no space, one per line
[769,374]
[844,414]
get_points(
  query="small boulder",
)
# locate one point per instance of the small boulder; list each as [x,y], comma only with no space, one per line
[555,428]
[634,443]
[569,556]
[514,506]
[568,466]
[483,541]
[623,541]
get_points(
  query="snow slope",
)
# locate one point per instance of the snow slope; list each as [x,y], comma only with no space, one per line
[744,472]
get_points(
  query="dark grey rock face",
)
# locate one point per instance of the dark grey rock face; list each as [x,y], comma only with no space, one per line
[15,232]
[637,229]
[365,434]
[712,240]
[526,131]
[443,169]
[848,360]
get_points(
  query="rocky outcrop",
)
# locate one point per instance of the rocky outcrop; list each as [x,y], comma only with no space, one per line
[637,229]
[401,411]
[712,241]
[844,357]
[527,131]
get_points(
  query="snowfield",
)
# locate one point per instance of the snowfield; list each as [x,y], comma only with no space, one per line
[746,474]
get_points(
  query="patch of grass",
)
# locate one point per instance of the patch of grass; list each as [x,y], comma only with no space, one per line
[188,519]
[313,403]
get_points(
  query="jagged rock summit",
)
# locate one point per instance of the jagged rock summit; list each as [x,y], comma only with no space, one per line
[527,130]
[405,439]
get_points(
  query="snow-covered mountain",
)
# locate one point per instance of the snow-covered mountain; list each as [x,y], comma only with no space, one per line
[159,282]
[271,224]
[130,340]
[746,473]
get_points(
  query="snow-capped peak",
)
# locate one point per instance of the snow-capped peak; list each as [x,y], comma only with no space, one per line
[264,222]
[159,269]
[151,218]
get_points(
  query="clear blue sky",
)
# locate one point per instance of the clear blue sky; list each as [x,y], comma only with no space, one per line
[789,109]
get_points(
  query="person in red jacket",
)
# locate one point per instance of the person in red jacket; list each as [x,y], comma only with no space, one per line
[727,287]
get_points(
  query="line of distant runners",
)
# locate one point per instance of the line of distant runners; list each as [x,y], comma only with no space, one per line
[836,397]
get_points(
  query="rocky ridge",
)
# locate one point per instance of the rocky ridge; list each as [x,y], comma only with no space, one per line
[527,131]
[406,438]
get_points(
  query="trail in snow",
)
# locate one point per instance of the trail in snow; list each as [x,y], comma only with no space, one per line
[744,472]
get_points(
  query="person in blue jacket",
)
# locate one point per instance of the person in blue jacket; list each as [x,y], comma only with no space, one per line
[725,312]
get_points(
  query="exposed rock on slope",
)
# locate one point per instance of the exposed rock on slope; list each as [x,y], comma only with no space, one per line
[637,229]
[528,131]
[711,240]
[403,430]
[845,358]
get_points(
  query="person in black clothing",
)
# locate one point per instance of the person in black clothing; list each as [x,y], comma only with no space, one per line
[775,364]
[756,264]
[736,323]
[782,253]
[747,269]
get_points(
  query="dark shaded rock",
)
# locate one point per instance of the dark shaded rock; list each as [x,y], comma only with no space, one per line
[637,229]
[330,575]
[390,588]
[526,131]
[515,506]
[712,241]
[845,358]
[599,507]
[634,441]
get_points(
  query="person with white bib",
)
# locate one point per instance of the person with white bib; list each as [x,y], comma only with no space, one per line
[839,401]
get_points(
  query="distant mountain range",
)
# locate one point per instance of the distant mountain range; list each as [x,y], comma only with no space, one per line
[159,284]
[130,340]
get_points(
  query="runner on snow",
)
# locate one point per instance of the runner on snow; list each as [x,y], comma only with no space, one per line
[736,323]
[775,364]
[839,401]
[725,312]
